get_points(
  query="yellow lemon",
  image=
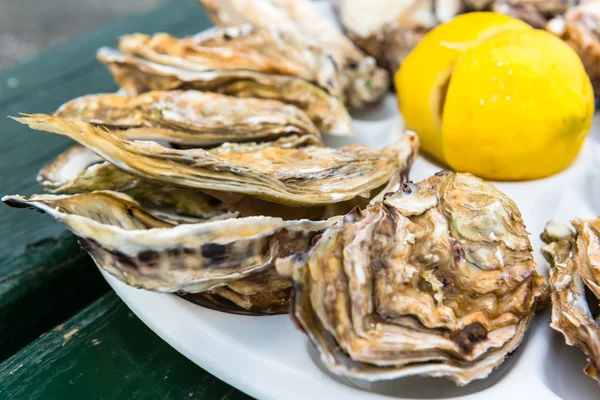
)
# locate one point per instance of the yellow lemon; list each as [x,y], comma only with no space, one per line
[512,104]
[518,107]
[425,72]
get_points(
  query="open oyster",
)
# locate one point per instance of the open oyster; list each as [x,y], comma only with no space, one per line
[437,279]
[580,28]
[363,81]
[575,286]
[171,70]
[192,118]
[214,259]
[389,29]
[245,176]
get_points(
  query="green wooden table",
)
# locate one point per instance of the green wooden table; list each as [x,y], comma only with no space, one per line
[91,346]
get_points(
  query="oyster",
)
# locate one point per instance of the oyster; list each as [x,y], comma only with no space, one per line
[193,118]
[437,279]
[535,12]
[147,252]
[79,170]
[239,48]
[363,81]
[389,29]
[309,176]
[137,75]
[580,28]
[575,286]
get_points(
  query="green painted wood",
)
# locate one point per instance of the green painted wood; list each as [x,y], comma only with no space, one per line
[106,352]
[44,277]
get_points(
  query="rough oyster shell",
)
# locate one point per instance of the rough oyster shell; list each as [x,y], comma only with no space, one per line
[438,280]
[389,29]
[192,118]
[580,28]
[79,170]
[311,176]
[363,81]
[146,252]
[575,286]
[137,75]
[241,47]
[535,12]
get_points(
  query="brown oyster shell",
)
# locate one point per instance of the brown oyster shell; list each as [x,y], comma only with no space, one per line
[309,176]
[192,118]
[575,286]
[580,29]
[138,75]
[212,258]
[388,30]
[363,81]
[437,279]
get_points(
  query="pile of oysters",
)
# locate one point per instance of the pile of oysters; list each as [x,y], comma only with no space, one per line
[389,29]
[207,176]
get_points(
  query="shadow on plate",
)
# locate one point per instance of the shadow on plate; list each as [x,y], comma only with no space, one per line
[419,387]
[564,374]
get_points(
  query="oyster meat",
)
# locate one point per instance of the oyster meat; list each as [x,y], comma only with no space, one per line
[231,260]
[138,74]
[580,28]
[389,29]
[303,177]
[364,83]
[192,118]
[574,255]
[437,279]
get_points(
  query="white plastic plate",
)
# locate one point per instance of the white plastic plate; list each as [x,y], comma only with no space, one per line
[269,359]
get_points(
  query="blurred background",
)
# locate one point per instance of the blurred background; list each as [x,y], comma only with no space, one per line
[30,26]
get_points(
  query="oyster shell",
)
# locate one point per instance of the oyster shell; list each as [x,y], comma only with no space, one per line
[79,170]
[389,29]
[146,252]
[192,118]
[580,28]
[363,81]
[310,176]
[241,47]
[438,279]
[575,286]
[137,75]
[535,12]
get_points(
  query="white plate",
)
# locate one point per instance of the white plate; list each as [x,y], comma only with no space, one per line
[268,358]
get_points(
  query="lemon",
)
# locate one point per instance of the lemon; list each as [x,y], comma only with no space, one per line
[489,95]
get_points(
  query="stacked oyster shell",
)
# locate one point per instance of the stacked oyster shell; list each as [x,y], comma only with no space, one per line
[575,286]
[209,221]
[437,279]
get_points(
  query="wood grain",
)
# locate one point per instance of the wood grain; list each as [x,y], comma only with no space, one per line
[106,352]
